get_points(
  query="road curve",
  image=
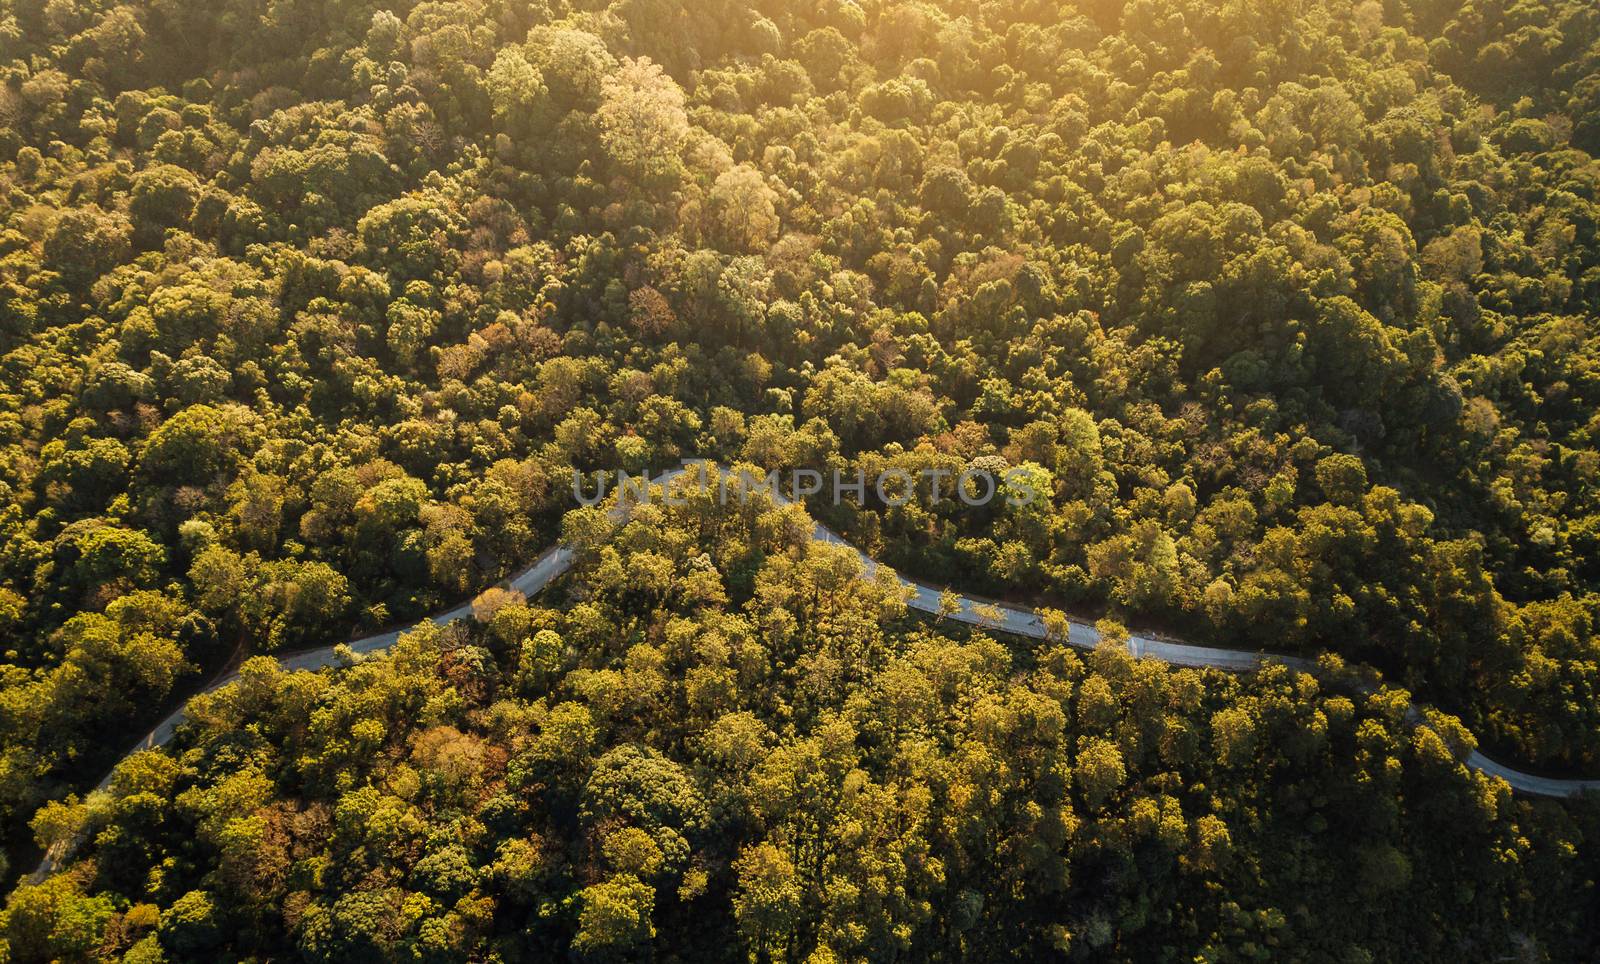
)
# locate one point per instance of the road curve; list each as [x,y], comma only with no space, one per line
[1003,617]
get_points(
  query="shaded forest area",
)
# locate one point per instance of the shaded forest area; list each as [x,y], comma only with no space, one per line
[308,310]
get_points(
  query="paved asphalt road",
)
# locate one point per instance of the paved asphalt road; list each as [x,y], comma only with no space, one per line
[1012,619]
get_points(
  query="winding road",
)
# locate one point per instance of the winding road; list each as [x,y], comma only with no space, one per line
[1015,620]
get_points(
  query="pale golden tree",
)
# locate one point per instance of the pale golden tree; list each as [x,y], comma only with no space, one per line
[743,209]
[642,120]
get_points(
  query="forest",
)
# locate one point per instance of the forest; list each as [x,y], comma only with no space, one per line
[310,310]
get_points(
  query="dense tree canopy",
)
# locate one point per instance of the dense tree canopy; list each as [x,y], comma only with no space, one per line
[722,740]
[308,310]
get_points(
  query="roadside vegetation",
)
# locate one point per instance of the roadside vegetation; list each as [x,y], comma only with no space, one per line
[308,311]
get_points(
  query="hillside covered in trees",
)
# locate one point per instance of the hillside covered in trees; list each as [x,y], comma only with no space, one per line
[722,741]
[309,310]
